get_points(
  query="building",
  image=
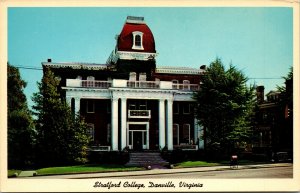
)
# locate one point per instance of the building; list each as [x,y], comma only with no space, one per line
[274,123]
[129,102]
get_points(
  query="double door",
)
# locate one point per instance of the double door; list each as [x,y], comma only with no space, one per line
[138,135]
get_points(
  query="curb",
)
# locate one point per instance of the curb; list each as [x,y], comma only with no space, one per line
[172,171]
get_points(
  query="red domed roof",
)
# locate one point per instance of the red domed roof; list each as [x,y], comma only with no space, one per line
[125,39]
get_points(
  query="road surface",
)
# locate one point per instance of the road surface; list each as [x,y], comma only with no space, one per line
[276,172]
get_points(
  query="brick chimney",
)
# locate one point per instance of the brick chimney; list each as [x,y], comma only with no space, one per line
[260,94]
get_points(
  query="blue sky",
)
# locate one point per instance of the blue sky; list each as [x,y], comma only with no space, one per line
[258,41]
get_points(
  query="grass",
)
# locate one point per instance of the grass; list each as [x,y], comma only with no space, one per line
[85,169]
[11,173]
[93,168]
[187,164]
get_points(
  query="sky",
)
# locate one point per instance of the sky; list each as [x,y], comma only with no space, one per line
[258,41]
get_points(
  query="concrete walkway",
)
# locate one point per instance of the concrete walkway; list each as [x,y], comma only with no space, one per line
[27,173]
[160,171]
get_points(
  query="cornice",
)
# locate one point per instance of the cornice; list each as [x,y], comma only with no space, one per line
[74,65]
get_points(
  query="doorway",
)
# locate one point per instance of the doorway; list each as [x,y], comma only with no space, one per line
[138,135]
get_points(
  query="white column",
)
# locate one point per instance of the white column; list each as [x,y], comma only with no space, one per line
[170,124]
[162,122]
[69,100]
[77,105]
[114,124]
[201,140]
[123,123]
[196,129]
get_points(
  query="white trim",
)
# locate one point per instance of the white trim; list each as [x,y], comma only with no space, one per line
[123,122]
[169,124]
[114,124]
[75,65]
[134,36]
[147,131]
[178,70]
[135,55]
[161,123]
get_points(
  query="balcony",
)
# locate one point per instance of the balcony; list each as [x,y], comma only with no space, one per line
[139,114]
[95,84]
[88,83]
[186,87]
[118,83]
[143,84]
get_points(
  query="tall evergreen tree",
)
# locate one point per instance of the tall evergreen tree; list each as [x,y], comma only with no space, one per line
[20,124]
[225,107]
[62,138]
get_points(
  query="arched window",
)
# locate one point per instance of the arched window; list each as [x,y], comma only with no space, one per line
[137,40]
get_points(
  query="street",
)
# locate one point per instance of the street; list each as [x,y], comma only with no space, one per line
[277,172]
[280,170]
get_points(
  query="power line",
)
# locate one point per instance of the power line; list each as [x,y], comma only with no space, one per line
[36,68]
[29,67]
[267,78]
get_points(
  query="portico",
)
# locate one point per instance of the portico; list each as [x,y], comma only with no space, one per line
[119,97]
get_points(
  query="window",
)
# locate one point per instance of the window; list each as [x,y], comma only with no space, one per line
[108,133]
[91,131]
[175,84]
[143,105]
[186,85]
[90,81]
[186,108]
[176,108]
[132,106]
[90,106]
[176,134]
[137,40]
[186,133]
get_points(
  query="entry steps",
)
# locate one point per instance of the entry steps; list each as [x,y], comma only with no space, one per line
[146,159]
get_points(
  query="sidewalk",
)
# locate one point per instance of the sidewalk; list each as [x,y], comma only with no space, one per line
[160,171]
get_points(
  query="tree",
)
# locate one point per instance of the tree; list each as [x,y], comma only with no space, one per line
[287,94]
[225,107]
[286,106]
[62,138]
[20,124]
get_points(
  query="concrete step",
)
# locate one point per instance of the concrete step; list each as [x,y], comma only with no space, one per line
[146,159]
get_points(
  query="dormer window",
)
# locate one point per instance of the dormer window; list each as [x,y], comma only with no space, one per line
[137,40]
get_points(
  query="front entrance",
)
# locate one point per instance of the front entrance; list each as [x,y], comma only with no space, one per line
[138,135]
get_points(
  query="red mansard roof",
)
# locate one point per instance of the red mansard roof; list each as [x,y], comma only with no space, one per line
[125,39]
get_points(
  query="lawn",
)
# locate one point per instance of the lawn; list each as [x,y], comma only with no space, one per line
[85,169]
[188,164]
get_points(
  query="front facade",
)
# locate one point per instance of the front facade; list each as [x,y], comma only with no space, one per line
[129,102]
[274,123]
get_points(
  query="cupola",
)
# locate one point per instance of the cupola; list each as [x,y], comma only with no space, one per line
[136,36]
[135,42]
